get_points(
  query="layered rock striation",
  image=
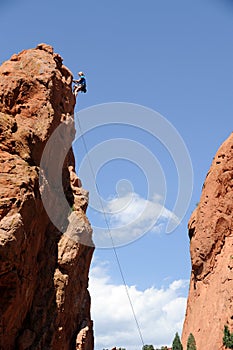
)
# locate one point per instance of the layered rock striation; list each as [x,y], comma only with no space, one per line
[45,237]
[210,300]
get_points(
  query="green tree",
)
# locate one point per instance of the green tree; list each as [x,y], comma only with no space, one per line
[148,347]
[176,344]
[191,344]
[227,338]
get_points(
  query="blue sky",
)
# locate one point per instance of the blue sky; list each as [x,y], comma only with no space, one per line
[174,57]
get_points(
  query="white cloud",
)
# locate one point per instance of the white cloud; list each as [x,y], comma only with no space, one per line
[129,217]
[134,209]
[160,312]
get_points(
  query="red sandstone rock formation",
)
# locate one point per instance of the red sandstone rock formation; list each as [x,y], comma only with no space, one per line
[210,301]
[44,301]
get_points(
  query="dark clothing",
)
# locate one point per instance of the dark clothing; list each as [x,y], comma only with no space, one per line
[82,83]
[82,80]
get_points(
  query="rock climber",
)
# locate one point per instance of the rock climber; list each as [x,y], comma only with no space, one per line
[80,84]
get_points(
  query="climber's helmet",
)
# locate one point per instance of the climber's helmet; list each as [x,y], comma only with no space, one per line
[81,73]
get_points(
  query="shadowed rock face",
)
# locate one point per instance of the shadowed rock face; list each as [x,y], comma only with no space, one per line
[44,301]
[210,301]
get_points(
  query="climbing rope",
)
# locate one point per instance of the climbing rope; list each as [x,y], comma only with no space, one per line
[110,235]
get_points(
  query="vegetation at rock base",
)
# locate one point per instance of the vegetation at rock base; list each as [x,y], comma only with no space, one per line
[176,344]
[191,344]
[227,338]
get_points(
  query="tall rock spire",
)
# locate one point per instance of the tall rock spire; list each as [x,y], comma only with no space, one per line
[44,268]
[210,300]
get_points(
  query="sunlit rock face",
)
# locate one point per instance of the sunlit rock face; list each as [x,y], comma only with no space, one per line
[44,301]
[210,301]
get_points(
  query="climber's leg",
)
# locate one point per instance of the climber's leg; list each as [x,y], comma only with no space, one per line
[77,88]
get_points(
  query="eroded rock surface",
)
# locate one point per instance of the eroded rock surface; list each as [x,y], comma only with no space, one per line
[210,301]
[44,301]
